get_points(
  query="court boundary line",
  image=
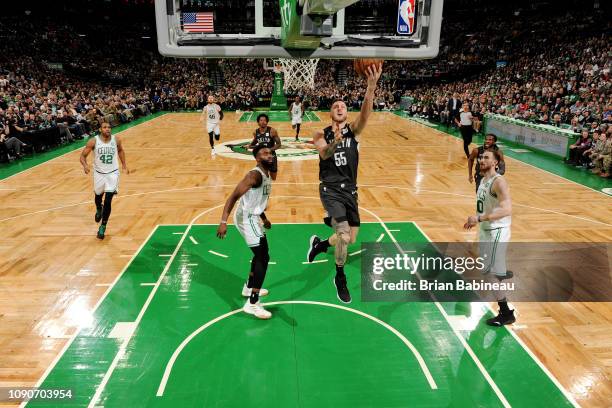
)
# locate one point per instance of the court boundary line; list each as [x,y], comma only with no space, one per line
[380,222]
[520,161]
[410,189]
[462,340]
[77,148]
[530,353]
[415,352]
[93,311]
[122,348]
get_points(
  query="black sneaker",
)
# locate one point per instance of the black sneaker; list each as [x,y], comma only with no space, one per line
[343,293]
[101,231]
[313,251]
[502,319]
[98,214]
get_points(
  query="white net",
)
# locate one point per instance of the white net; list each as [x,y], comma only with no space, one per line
[299,73]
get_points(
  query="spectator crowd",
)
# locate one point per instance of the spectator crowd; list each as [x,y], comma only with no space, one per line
[531,66]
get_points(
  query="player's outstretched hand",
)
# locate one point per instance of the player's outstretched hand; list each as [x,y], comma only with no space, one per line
[471,222]
[373,73]
[471,178]
[86,169]
[222,230]
[126,170]
[267,224]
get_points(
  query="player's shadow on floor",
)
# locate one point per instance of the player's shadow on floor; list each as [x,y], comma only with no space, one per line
[313,275]
[310,277]
[226,285]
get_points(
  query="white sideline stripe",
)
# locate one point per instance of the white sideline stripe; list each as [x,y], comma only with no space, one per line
[313,262]
[566,393]
[76,333]
[380,238]
[464,343]
[165,255]
[179,349]
[192,264]
[356,252]
[412,189]
[147,284]
[217,253]
[124,344]
[77,148]
[269,263]
[177,233]
[527,164]
[193,240]
[394,230]
[471,197]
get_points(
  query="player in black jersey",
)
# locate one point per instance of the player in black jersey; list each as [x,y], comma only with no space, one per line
[490,143]
[268,137]
[338,147]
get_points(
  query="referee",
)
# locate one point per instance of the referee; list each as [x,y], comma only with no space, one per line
[465,126]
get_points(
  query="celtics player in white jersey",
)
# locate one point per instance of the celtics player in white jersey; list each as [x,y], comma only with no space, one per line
[296,111]
[107,148]
[253,192]
[213,114]
[494,214]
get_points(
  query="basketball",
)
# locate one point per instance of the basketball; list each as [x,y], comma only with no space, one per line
[361,65]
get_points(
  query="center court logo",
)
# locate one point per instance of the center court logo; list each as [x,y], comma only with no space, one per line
[291,150]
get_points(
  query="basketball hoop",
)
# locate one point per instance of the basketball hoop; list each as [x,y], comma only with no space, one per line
[299,73]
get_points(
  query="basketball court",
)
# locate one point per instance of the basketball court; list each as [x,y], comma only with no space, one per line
[167,326]
[151,316]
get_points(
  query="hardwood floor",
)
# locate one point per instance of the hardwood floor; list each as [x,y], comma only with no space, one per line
[53,270]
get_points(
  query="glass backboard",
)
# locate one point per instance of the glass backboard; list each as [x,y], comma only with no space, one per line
[387,29]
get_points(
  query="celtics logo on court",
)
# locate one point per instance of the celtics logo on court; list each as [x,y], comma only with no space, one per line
[291,150]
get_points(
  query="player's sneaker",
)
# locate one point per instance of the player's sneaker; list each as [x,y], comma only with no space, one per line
[313,250]
[256,310]
[101,231]
[213,152]
[246,292]
[98,214]
[502,319]
[342,290]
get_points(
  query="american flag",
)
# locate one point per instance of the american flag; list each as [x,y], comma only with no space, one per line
[198,22]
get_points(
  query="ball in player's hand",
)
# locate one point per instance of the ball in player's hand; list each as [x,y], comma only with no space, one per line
[361,65]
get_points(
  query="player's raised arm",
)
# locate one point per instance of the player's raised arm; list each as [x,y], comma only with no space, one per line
[373,74]
[220,112]
[91,143]
[252,179]
[121,154]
